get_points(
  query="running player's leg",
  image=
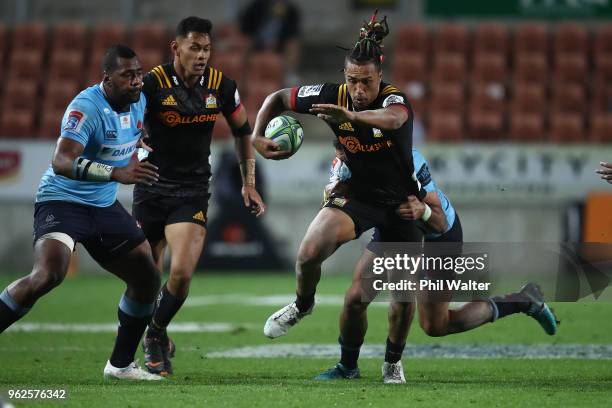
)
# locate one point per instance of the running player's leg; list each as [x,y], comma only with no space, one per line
[331,228]
[158,248]
[353,322]
[401,307]
[120,247]
[184,232]
[57,227]
[51,259]
[437,319]
[186,241]
[137,269]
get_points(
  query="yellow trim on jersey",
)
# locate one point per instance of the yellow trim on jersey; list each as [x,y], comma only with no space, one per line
[165,76]
[212,77]
[161,84]
[342,99]
[389,89]
[218,83]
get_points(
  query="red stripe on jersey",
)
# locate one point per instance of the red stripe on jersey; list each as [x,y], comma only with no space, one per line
[235,112]
[292,98]
[400,104]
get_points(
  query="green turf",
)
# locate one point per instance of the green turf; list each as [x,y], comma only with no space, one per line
[76,364]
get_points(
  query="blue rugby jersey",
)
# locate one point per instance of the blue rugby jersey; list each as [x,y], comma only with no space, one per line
[108,136]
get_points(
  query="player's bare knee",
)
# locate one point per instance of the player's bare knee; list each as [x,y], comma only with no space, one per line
[180,278]
[309,256]
[353,302]
[433,328]
[42,280]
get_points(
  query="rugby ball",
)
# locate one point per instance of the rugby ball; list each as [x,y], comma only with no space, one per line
[286,131]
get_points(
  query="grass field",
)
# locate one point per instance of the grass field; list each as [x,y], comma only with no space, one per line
[230,311]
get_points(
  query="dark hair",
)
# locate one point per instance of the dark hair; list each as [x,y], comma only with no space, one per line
[337,143]
[193,24]
[369,46]
[115,51]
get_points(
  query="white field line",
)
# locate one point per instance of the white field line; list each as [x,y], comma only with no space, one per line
[458,351]
[271,300]
[184,327]
[421,351]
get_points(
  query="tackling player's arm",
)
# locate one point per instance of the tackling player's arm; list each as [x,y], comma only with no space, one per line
[429,210]
[274,104]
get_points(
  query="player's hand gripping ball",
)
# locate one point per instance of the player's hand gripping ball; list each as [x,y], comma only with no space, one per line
[287,132]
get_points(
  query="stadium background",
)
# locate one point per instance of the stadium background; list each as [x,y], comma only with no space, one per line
[515,99]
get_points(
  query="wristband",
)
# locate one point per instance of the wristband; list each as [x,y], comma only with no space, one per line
[88,170]
[242,130]
[247,171]
[427,214]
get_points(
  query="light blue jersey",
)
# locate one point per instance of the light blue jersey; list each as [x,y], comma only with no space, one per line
[427,182]
[109,137]
[340,172]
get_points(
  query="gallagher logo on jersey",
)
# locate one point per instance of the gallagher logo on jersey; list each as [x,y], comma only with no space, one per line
[75,120]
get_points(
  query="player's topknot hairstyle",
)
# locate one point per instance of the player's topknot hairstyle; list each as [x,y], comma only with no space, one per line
[110,60]
[193,24]
[369,47]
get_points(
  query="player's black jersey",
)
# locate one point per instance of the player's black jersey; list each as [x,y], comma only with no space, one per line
[380,160]
[180,123]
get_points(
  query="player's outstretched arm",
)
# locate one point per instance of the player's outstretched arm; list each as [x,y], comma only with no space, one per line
[389,118]
[428,210]
[67,161]
[274,104]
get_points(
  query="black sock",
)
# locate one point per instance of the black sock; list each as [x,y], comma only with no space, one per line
[133,320]
[7,316]
[303,303]
[167,306]
[504,306]
[393,352]
[349,354]
[10,311]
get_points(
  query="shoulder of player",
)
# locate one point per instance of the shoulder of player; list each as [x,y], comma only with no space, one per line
[215,79]
[326,90]
[159,76]
[88,101]
[390,94]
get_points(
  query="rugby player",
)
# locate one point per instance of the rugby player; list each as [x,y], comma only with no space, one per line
[435,317]
[184,99]
[76,201]
[372,120]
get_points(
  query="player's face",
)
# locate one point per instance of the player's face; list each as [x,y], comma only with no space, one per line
[363,83]
[193,52]
[125,82]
